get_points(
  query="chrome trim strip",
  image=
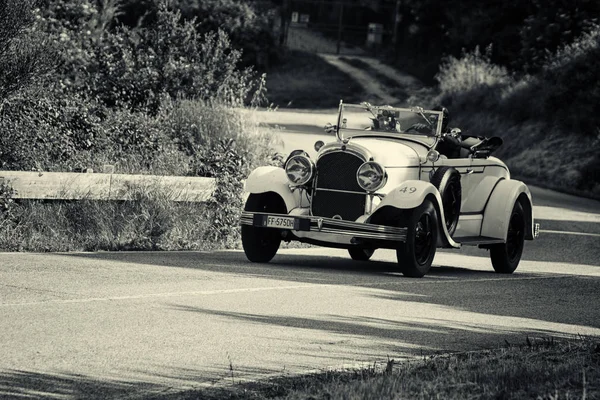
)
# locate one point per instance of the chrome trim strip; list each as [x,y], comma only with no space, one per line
[340,227]
[352,148]
[339,191]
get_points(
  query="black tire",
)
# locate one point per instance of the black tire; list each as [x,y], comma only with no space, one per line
[261,244]
[416,254]
[447,182]
[359,254]
[506,256]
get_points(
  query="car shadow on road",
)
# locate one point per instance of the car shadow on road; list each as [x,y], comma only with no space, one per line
[523,294]
[295,267]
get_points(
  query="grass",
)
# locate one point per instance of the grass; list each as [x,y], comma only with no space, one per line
[305,80]
[149,222]
[539,368]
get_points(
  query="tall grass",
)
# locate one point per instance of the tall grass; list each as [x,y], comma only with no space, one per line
[473,71]
[149,222]
[548,121]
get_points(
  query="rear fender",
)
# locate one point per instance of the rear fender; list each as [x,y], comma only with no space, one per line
[411,194]
[273,179]
[499,208]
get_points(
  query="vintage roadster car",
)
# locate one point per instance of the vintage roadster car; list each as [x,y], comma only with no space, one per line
[396,178]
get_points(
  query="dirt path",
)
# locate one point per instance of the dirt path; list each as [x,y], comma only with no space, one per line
[382,83]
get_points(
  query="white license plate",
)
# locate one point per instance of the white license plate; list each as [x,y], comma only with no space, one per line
[279,222]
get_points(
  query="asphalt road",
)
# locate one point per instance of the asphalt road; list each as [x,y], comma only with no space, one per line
[129,324]
[115,325]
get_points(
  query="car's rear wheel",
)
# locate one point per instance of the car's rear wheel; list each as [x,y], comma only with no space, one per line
[359,254]
[447,181]
[261,244]
[506,256]
[416,254]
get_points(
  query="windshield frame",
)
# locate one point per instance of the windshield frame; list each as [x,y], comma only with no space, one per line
[344,134]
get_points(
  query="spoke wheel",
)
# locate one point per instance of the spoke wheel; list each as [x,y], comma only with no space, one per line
[359,254]
[506,256]
[447,181]
[261,244]
[423,239]
[416,254]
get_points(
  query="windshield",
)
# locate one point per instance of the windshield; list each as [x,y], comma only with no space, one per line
[365,119]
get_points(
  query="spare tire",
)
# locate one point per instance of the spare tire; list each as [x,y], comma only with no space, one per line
[447,182]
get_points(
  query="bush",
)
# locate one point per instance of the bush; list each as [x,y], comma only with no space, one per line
[554,24]
[134,67]
[472,71]
[571,90]
[154,100]
[47,131]
[226,144]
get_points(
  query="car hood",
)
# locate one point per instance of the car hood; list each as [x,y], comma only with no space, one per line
[393,153]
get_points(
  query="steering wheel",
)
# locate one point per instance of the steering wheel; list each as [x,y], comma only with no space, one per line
[416,127]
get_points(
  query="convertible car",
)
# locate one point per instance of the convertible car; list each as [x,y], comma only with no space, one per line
[395,178]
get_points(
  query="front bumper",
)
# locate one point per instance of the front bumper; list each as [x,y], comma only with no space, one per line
[339,228]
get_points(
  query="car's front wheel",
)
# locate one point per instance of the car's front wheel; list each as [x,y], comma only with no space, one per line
[261,244]
[506,256]
[416,254]
[359,254]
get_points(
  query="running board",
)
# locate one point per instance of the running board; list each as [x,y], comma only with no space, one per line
[476,240]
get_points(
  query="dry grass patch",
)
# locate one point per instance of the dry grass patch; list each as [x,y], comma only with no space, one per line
[538,369]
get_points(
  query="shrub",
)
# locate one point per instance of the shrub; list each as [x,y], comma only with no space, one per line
[570,79]
[226,144]
[135,67]
[471,81]
[47,130]
[473,70]
[552,25]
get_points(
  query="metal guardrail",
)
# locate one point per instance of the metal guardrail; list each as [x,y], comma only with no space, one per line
[100,186]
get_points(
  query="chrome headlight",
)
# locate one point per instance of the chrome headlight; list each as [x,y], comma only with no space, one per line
[371,176]
[299,169]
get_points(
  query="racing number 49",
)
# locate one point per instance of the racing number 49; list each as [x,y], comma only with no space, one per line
[408,190]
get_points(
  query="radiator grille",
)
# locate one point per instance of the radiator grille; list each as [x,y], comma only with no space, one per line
[337,171]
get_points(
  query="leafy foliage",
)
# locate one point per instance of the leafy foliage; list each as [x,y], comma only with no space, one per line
[572,75]
[117,97]
[552,25]
[246,23]
[135,67]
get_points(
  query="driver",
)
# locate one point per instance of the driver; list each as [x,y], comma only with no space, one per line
[386,121]
[449,145]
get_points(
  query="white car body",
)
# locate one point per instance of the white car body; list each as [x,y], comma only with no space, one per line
[409,161]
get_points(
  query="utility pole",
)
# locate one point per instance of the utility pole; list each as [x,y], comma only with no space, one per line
[340,26]
[396,22]
[284,13]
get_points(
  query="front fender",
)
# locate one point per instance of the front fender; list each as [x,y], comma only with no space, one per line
[273,179]
[499,208]
[411,194]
